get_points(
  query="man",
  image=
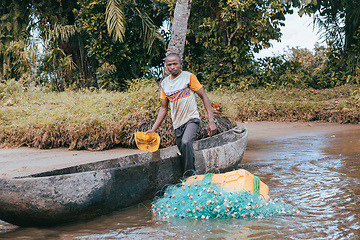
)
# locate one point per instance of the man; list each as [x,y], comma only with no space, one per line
[179,89]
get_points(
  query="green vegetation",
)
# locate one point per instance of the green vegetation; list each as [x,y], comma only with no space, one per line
[302,68]
[103,43]
[80,48]
[340,104]
[76,119]
[100,119]
[223,35]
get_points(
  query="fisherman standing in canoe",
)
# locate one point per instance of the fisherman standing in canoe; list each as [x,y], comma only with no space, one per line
[179,89]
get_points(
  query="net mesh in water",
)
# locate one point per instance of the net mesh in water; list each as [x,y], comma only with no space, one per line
[204,199]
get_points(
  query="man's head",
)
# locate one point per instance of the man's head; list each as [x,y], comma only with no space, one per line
[173,64]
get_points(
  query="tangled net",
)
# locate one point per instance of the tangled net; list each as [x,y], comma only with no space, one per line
[205,200]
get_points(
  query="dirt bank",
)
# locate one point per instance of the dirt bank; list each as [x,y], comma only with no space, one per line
[266,130]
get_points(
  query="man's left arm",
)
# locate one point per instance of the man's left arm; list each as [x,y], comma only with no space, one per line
[211,127]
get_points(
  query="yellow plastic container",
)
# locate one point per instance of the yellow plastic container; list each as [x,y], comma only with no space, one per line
[234,181]
[149,142]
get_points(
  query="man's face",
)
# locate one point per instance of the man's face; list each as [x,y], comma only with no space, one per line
[173,65]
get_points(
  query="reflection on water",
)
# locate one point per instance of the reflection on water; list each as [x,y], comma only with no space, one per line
[318,173]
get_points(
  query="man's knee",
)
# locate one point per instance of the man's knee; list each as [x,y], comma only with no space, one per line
[186,142]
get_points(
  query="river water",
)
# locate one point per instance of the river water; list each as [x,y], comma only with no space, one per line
[317,173]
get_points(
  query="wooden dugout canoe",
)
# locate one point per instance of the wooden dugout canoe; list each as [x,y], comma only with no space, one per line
[89,190]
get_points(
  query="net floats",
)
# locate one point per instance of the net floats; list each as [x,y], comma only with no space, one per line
[231,195]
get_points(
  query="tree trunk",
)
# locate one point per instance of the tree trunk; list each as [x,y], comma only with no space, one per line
[179,28]
[352,23]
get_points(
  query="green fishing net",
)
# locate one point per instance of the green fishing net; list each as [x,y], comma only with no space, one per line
[203,199]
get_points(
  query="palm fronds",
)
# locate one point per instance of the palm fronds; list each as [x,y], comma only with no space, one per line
[64,33]
[149,31]
[115,19]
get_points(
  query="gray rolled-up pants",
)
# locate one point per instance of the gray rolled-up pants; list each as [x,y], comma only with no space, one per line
[184,137]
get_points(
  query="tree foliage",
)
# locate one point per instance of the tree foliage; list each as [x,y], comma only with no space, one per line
[337,19]
[14,26]
[302,68]
[131,58]
[103,43]
[14,20]
[223,35]
[80,38]
[297,68]
[19,19]
[339,23]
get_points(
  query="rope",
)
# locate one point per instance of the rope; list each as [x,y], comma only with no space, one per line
[207,178]
[256,189]
[208,175]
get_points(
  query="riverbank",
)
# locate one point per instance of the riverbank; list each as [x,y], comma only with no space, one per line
[100,120]
[24,161]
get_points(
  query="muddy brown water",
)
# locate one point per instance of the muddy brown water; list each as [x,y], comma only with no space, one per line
[316,172]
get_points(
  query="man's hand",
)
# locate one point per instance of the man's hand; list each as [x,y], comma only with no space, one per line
[211,128]
[148,131]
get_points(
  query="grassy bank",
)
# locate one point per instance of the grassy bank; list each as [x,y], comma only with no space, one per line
[337,105]
[98,120]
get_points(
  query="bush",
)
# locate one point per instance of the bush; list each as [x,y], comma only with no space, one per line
[10,88]
[297,68]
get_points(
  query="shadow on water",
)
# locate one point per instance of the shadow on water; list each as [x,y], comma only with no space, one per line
[317,173]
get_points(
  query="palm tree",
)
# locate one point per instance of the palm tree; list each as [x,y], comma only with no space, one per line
[178,30]
[179,27]
[116,22]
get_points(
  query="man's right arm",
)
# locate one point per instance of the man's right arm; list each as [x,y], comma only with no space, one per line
[161,114]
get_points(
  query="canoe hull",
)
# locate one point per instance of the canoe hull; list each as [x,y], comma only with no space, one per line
[86,191]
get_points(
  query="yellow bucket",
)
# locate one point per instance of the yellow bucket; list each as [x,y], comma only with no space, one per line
[235,181]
